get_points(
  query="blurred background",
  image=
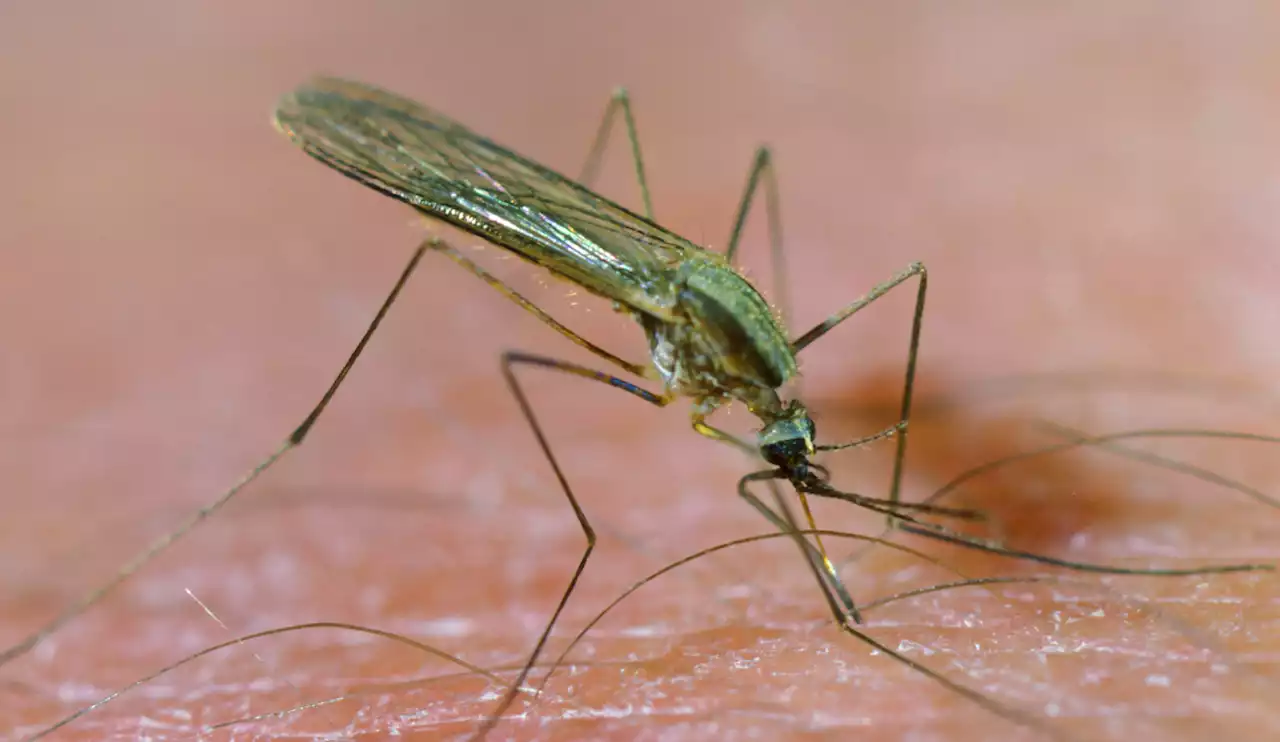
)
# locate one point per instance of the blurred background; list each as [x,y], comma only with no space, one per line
[1094,191]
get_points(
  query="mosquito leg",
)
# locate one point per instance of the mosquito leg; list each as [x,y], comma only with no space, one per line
[994,707]
[1013,715]
[441,246]
[510,360]
[1162,462]
[619,101]
[159,545]
[702,428]
[762,174]
[786,522]
[823,571]
[941,533]
[641,371]
[908,384]
[762,171]
[1077,440]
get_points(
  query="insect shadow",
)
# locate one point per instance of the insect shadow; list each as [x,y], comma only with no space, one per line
[1041,452]
[940,454]
[712,337]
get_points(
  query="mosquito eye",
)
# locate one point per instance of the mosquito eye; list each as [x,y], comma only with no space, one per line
[784,453]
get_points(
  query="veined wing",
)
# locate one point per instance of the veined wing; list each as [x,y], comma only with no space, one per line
[440,167]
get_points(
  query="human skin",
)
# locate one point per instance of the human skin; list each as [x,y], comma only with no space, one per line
[1092,192]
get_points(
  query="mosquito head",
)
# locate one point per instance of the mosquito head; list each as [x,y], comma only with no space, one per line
[787,442]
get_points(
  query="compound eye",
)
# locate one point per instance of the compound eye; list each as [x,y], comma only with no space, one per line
[785,453]
[773,455]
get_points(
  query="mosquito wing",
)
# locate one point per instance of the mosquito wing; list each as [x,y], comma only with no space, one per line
[443,169]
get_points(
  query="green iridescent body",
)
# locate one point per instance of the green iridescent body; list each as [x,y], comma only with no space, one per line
[712,336]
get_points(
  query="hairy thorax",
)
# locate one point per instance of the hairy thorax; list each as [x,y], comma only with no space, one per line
[726,342]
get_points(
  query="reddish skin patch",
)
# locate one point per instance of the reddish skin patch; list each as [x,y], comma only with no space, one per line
[1088,192]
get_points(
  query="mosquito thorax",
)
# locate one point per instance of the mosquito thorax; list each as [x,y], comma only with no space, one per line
[787,441]
[725,341]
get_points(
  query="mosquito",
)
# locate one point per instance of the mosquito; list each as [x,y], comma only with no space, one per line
[713,339]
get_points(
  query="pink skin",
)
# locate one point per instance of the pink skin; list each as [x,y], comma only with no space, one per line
[1091,192]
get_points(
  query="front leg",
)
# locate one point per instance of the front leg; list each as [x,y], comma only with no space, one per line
[786,522]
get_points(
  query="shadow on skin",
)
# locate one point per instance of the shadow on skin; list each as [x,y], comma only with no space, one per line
[719,665]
